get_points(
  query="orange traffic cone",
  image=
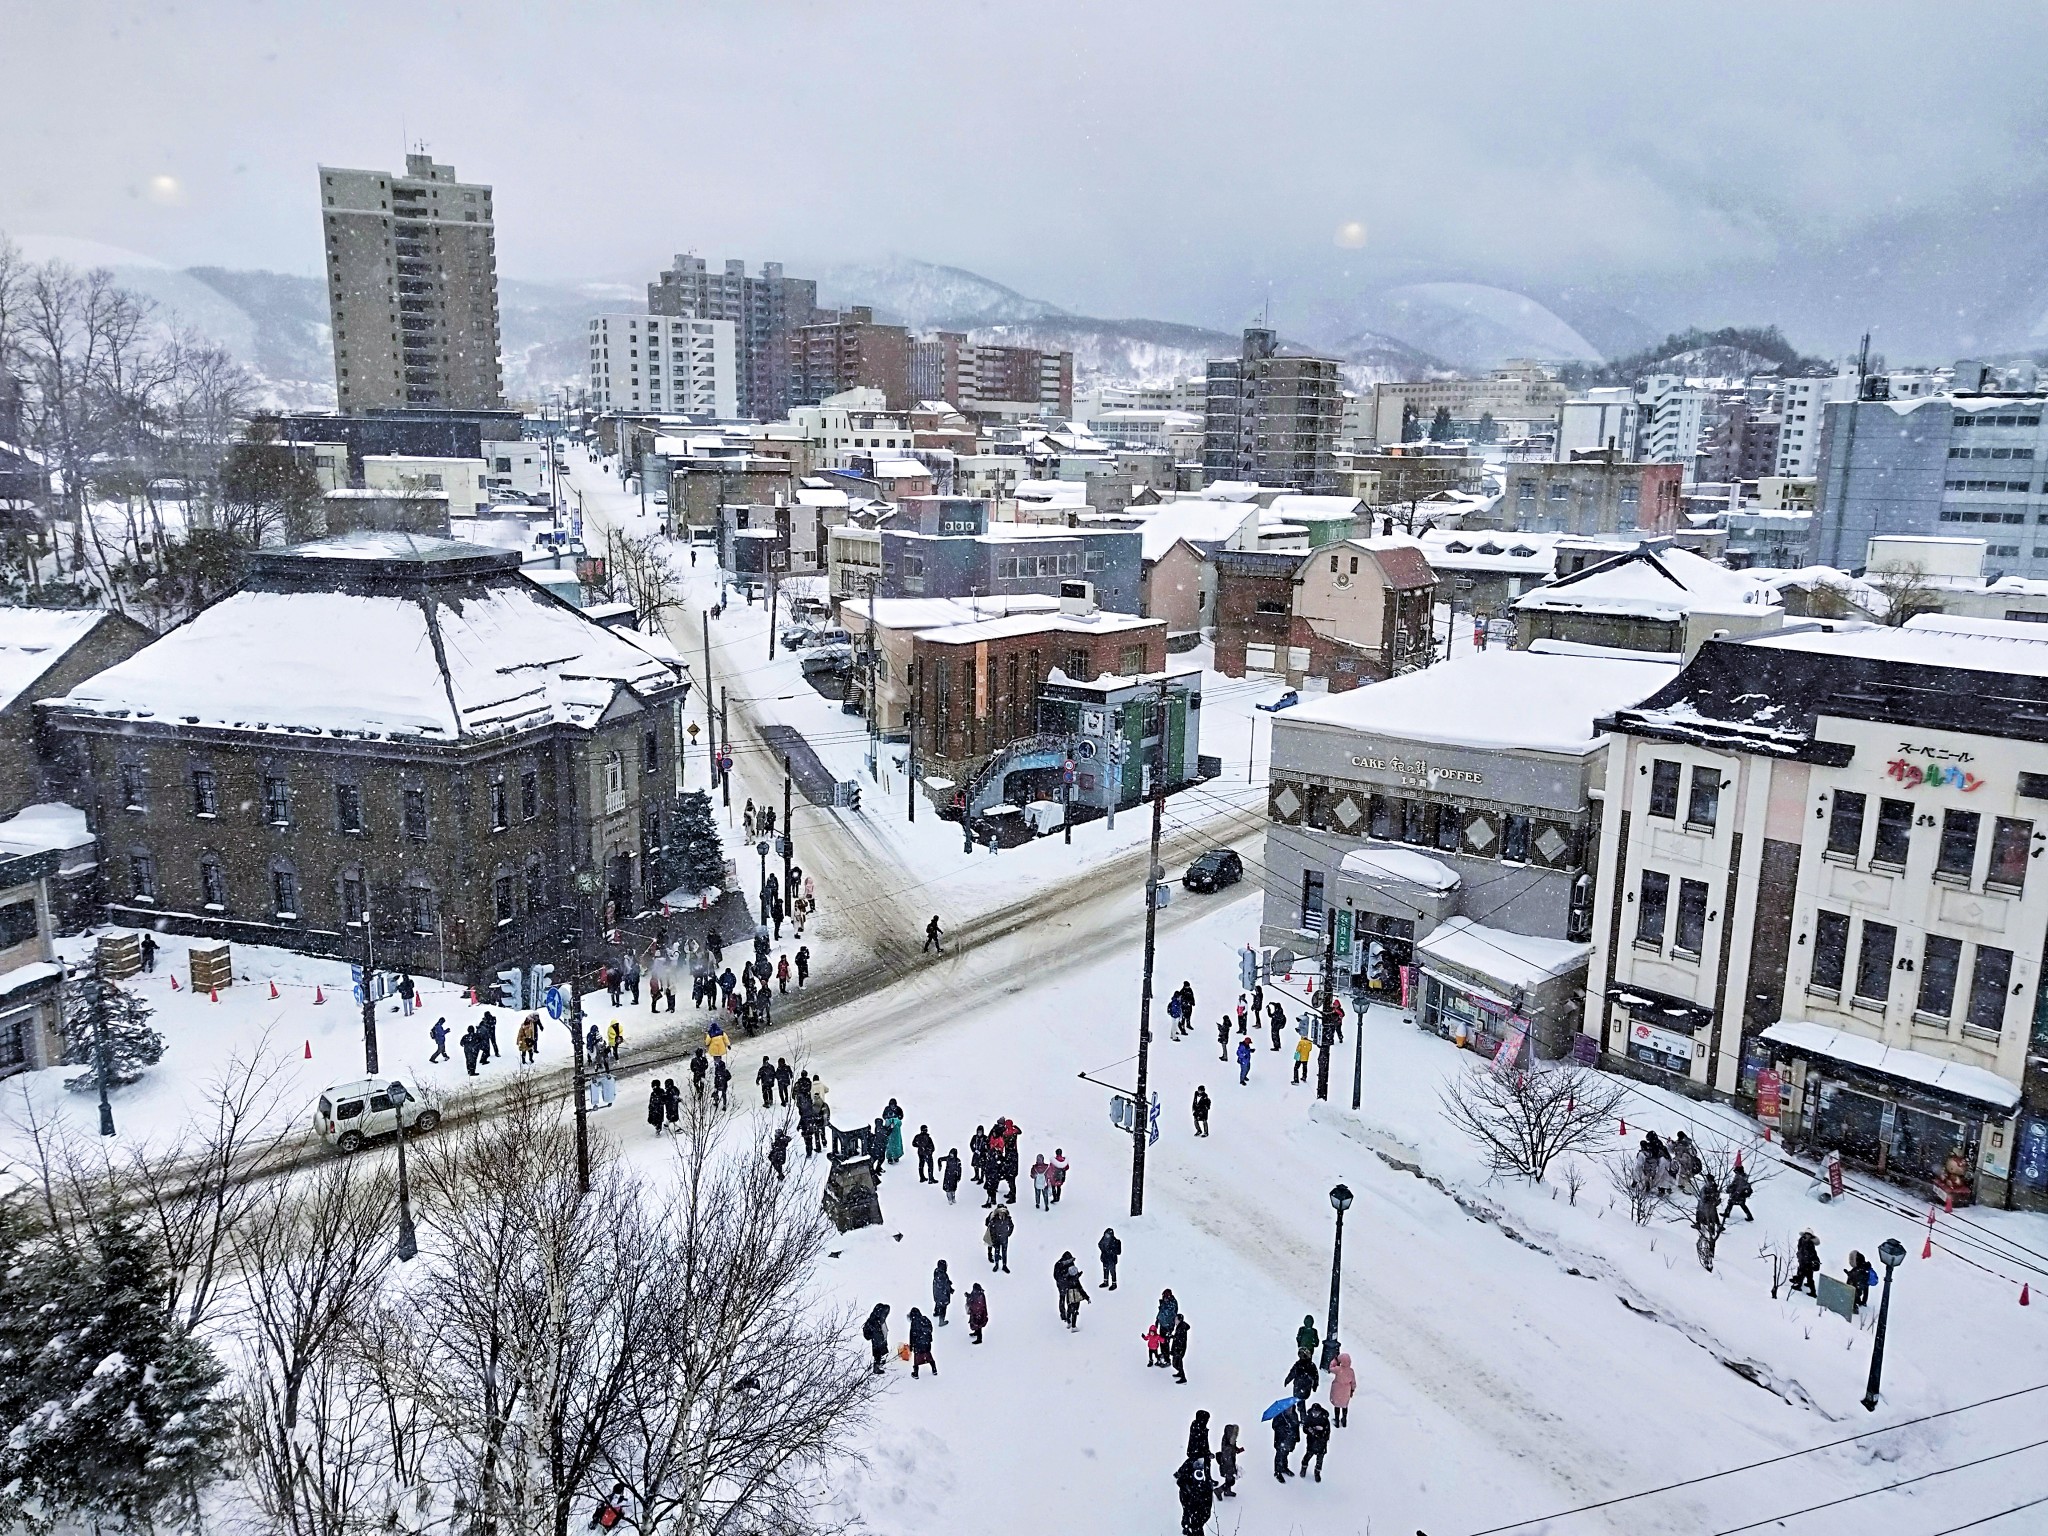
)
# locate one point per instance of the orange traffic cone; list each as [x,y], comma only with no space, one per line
[2023,1295]
[174,985]
[318,995]
[1738,1159]
[472,997]
[1927,1248]
[273,989]
[309,1050]
[213,994]
[1624,1127]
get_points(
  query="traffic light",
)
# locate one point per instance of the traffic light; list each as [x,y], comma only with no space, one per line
[1248,968]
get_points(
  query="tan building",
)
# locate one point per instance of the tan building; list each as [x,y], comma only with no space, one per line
[1362,611]
[897,620]
[412,288]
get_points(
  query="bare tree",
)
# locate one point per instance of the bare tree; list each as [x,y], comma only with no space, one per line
[1636,1182]
[1523,1120]
[1906,590]
[637,570]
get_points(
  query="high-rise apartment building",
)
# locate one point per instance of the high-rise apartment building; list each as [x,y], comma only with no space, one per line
[412,288]
[667,364]
[1273,418]
[949,367]
[1802,403]
[846,351]
[764,311]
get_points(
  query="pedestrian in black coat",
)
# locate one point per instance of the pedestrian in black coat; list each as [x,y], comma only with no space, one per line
[1201,1110]
[921,1343]
[699,1065]
[1111,1247]
[1739,1191]
[469,1049]
[778,1153]
[766,1079]
[977,1310]
[1276,1016]
[1302,1376]
[1177,1351]
[942,1292]
[1808,1264]
[657,1106]
[672,1101]
[783,1077]
[925,1147]
[1223,1039]
[977,1150]
[1226,1462]
[1198,1433]
[949,1174]
[1315,1429]
[1197,1497]
[721,1085]
[1286,1435]
[998,1227]
[876,1331]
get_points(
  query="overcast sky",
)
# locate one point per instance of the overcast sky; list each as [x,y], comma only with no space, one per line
[1162,159]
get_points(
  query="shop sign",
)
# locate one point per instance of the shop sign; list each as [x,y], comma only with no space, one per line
[1663,1041]
[1768,1090]
[2034,1153]
[1344,935]
[1833,1166]
[1418,771]
[1933,768]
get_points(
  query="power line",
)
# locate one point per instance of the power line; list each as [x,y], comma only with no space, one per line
[1967,1525]
[1771,1461]
[1904,1482]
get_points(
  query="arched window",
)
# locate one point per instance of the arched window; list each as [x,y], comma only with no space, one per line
[284,890]
[213,883]
[418,896]
[351,895]
[536,884]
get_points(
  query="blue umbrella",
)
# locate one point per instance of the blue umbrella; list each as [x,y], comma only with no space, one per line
[1274,1412]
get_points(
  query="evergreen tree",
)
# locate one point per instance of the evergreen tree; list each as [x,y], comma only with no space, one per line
[1489,429]
[699,852]
[112,1415]
[91,1002]
[1440,424]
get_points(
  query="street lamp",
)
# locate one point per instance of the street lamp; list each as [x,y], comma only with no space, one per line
[408,1240]
[1340,1202]
[1890,1253]
[586,889]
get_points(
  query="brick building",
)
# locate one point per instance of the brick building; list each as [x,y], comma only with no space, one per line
[977,686]
[850,351]
[1254,609]
[385,724]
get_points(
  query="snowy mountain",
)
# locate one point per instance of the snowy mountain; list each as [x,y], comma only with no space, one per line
[923,294]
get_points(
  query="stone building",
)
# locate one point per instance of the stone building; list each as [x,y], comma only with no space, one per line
[31,979]
[43,653]
[381,728]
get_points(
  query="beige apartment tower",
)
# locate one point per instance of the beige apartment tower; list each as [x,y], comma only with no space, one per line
[412,288]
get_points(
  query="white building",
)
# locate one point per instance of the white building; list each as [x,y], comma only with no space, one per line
[1600,418]
[853,421]
[1818,861]
[463,481]
[1802,405]
[663,363]
[1672,417]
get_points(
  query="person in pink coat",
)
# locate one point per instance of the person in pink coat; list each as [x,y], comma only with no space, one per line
[1343,1382]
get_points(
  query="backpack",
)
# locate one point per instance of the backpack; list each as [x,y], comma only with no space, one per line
[608,1515]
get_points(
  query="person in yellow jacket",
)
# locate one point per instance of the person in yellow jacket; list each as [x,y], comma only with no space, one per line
[717,1042]
[1302,1051]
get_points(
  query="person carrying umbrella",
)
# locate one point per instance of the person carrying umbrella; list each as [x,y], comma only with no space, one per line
[1286,1418]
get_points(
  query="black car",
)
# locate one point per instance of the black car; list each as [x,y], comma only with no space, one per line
[1213,871]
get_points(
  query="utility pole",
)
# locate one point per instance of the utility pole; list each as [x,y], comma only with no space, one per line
[771,605]
[1141,1119]
[874,689]
[583,878]
[910,750]
[99,1042]
[725,740]
[710,715]
[1329,999]
[369,997]
[788,846]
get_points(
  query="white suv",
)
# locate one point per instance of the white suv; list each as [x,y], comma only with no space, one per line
[353,1112]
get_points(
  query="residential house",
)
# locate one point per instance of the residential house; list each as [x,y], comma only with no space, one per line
[1648,599]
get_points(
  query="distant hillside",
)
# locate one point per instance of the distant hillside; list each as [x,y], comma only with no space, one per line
[1733,351]
[926,295]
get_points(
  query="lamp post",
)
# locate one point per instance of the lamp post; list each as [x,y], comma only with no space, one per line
[586,888]
[408,1239]
[99,1044]
[1890,1253]
[1340,1202]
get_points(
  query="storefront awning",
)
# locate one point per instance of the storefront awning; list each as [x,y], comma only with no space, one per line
[1663,1011]
[1805,1038]
[1398,866]
[1513,962]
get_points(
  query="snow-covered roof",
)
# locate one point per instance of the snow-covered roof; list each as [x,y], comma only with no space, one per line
[1958,1078]
[1532,700]
[1980,645]
[423,657]
[938,612]
[33,640]
[1098,623]
[44,828]
[1653,583]
[1510,958]
[898,469]
[1515,554]
[1857,591]
[1403,866]
[807,497]
[1199,522]
[1297,507]
[1057,493]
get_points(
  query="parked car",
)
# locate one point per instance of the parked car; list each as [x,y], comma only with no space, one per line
[795,637]
[828,658]
[1213,871]
[364,1108]
[832,636]
[1286,700]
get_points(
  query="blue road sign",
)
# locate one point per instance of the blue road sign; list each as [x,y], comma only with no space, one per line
[555,1005]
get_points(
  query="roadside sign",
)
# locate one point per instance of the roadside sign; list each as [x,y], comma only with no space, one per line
[1343,933]
[555,1005]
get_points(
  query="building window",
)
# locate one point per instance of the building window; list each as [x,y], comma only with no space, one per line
[1988,981]
[529,793]
[1650,908]
[1514,838]
[1447,819]
[1958,855]
[1312,900]
[205,792]
[2010,842]
[213,883]
[16,1030]
[1077,666]
[1664,789]
[536,885]
[1414,822]
[142,876]
[1380,818]
[499,820]
[1270,609]
[614,775]
[348,807]
[134,787]
[1830,950]
[419,909]
[277,801]
[1131,661]
[1845,824]
[18,923]
[1894,833]
[284,893]
[1874,962]
[354,909]
[1691,936]
[501,896]
[1940,963]
[1703,804]
[650,750]
[416,814]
